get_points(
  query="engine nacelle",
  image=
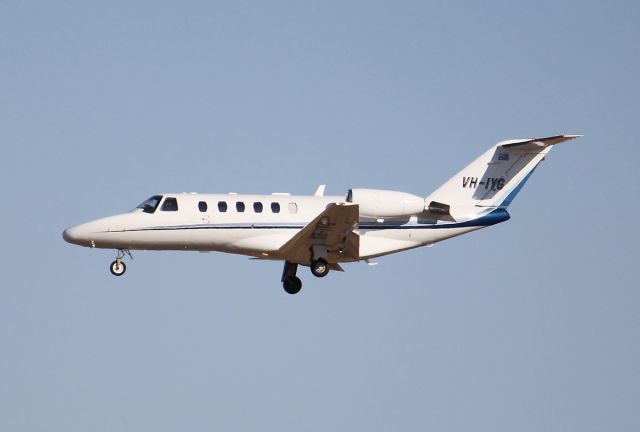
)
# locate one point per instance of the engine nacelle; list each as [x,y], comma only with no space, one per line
[384,203]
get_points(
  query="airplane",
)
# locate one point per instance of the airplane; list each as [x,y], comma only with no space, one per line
[322,232]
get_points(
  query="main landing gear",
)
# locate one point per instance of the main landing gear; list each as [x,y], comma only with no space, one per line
[292,283]
[319,267]
[118,267]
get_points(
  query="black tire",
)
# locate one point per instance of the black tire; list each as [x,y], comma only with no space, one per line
[292,285]
[118,270]
[319,267]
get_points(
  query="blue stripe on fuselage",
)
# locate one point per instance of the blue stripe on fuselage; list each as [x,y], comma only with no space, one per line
[494,217]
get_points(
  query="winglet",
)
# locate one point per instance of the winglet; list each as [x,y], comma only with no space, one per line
[320,191]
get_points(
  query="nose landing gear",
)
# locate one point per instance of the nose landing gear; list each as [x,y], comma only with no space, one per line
[118,267]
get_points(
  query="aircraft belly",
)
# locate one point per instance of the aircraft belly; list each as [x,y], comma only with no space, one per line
[147,239]
[251,241]
[429,236]
[384,242]
[254,241]
[376,245]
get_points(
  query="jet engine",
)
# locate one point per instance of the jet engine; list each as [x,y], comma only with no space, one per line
[377,203]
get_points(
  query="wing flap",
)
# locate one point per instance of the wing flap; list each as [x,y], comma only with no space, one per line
[331,231]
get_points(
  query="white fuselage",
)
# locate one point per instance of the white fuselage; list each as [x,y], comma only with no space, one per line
[260,230]
[323,231]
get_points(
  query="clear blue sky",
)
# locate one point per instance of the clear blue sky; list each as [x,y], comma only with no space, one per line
[532,325]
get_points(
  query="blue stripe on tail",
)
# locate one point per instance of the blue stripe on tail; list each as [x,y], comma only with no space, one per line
[517,189]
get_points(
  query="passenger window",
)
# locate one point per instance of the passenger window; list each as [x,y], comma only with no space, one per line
[293,207]
[202,206]
[169,204]
[240,206]
[257,207]
[275,207]
[222,206]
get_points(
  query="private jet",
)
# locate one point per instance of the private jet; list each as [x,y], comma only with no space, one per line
[318,231]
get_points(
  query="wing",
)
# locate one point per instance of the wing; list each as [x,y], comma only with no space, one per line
[330,235]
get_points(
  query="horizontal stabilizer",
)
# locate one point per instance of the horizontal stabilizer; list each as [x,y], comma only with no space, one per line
[537,142]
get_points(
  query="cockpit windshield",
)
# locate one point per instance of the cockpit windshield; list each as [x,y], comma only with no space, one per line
[151,204]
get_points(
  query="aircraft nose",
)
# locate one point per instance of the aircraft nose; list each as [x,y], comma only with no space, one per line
[75,235]
[70,234]
[88,233]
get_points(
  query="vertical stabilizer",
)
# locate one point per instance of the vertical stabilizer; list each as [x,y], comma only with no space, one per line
[493,180]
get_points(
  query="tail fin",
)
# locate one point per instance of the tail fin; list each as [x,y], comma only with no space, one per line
[494,179]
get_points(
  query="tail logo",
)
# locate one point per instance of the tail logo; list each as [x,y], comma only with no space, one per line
[492,183]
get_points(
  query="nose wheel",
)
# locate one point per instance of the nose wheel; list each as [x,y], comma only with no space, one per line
[118,267]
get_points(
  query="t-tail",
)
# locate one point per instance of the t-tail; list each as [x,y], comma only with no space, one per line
[489,184]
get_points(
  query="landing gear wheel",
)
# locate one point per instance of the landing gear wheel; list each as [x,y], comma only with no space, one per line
[292,285]
[118,267]
[319,267]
